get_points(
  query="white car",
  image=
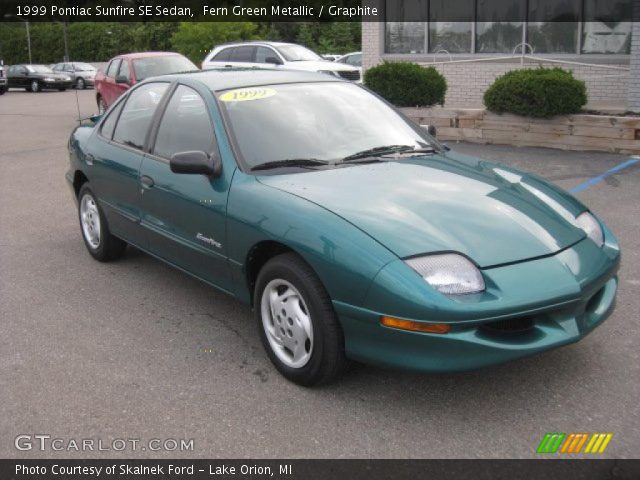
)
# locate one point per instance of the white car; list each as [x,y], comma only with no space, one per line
[276,55]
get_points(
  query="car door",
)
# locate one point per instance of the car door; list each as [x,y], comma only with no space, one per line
[18,77]
[115,160]
[185,214]
[110,91]
[266,57]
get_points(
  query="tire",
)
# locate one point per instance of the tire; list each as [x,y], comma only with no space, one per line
[301,310]
[2,90]
[62,89]
[102,246]
[81,84]
[35,86]
[102,107]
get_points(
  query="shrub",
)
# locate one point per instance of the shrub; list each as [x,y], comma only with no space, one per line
[407,84]
[540,92]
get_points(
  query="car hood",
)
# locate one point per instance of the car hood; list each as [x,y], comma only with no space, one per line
[488,212]
[321,65]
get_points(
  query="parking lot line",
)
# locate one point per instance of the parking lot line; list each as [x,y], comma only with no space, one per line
[595,180]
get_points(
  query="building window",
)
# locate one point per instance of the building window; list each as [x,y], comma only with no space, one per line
[498,26]
[602,31]
[553,25]
[454,37]
[493,33]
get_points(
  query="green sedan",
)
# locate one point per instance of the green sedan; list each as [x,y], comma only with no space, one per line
[353,233]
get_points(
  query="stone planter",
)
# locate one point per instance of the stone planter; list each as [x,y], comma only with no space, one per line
[605,133]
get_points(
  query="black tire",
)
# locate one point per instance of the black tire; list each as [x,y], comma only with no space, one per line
[327,361]
[2,90]
[102,107]
[81,84]
[109,247]
[62,89]
[35,86]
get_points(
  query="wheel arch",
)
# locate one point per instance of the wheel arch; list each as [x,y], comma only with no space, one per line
[79,179]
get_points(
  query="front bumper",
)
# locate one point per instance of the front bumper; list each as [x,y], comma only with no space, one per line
[480,338]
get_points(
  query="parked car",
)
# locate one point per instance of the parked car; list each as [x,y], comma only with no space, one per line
[354,59]
[3,79]
[275,55]
[35,78]
[124,71]
[82,74]
[352,231]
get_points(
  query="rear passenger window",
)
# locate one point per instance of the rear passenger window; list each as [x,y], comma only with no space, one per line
[222,56]
[243,54]
[110,122]
[113,68]
[137,114]
[185,125]
[124,70]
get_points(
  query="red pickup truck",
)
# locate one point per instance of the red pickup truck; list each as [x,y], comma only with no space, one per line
[124,71]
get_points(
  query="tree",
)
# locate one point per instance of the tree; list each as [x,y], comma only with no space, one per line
[196,39]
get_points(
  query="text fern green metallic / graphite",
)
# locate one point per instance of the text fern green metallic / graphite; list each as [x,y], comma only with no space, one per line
[352,232]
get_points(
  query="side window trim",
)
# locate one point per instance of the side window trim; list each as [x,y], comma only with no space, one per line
[155,126]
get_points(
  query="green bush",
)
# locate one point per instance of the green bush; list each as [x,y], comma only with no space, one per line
[407,84]
[540,92]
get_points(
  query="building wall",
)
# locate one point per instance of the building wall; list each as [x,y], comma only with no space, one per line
[607,88]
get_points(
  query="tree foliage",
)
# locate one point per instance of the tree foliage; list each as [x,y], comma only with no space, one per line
[100,41]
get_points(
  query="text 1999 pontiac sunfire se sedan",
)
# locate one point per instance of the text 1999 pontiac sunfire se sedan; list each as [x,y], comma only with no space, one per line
[352,232]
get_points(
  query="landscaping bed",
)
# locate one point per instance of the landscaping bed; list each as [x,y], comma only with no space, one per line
[606,133]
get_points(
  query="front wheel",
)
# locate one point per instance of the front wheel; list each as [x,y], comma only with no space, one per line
[95,231]
[35,86]
[62,89]
[298,327]
[80,84]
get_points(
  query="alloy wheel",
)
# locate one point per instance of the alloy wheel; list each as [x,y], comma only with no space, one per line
[90,219]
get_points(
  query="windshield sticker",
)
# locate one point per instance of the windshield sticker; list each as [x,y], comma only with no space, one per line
[245,94]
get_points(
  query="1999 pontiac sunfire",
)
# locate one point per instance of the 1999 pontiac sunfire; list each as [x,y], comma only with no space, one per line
[352,232]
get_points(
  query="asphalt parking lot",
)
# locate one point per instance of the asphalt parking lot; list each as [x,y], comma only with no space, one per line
[136,349]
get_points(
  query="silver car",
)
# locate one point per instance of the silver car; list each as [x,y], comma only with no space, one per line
[276,55]
[82,74]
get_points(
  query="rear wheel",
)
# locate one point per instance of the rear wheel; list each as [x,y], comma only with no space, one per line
[62,89]
[35,86]
[298,327]
[102,107]
[95,231]
[2,90]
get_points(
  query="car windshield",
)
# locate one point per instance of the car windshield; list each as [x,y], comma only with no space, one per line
[39,69]
[84,67]
[154,66]
[296,53]
[323,122]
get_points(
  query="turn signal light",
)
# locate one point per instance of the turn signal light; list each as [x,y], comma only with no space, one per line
[414,326]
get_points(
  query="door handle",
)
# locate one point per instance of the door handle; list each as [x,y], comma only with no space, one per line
[228,66]
[147,182]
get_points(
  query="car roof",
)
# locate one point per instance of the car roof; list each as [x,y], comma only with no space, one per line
[224,79]
[136,55]
[254,42]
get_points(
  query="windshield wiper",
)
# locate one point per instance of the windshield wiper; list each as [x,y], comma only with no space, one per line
[290,162]
[386,150]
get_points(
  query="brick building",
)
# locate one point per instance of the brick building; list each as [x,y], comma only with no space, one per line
[601,48]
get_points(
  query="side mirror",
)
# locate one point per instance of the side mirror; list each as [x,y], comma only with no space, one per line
[431,130]
[196,162]
[122,79]
[273,60]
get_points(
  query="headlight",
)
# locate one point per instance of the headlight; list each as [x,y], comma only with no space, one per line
[329,72]
[449,273]
[587,222]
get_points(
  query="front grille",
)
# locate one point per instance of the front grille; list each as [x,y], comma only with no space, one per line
[510,325]
[350,75]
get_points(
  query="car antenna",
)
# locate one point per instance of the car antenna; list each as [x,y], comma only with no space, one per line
[78,106]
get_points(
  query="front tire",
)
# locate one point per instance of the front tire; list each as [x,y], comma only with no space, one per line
[95,231]
[80,84]
[298,327]
[35,86]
